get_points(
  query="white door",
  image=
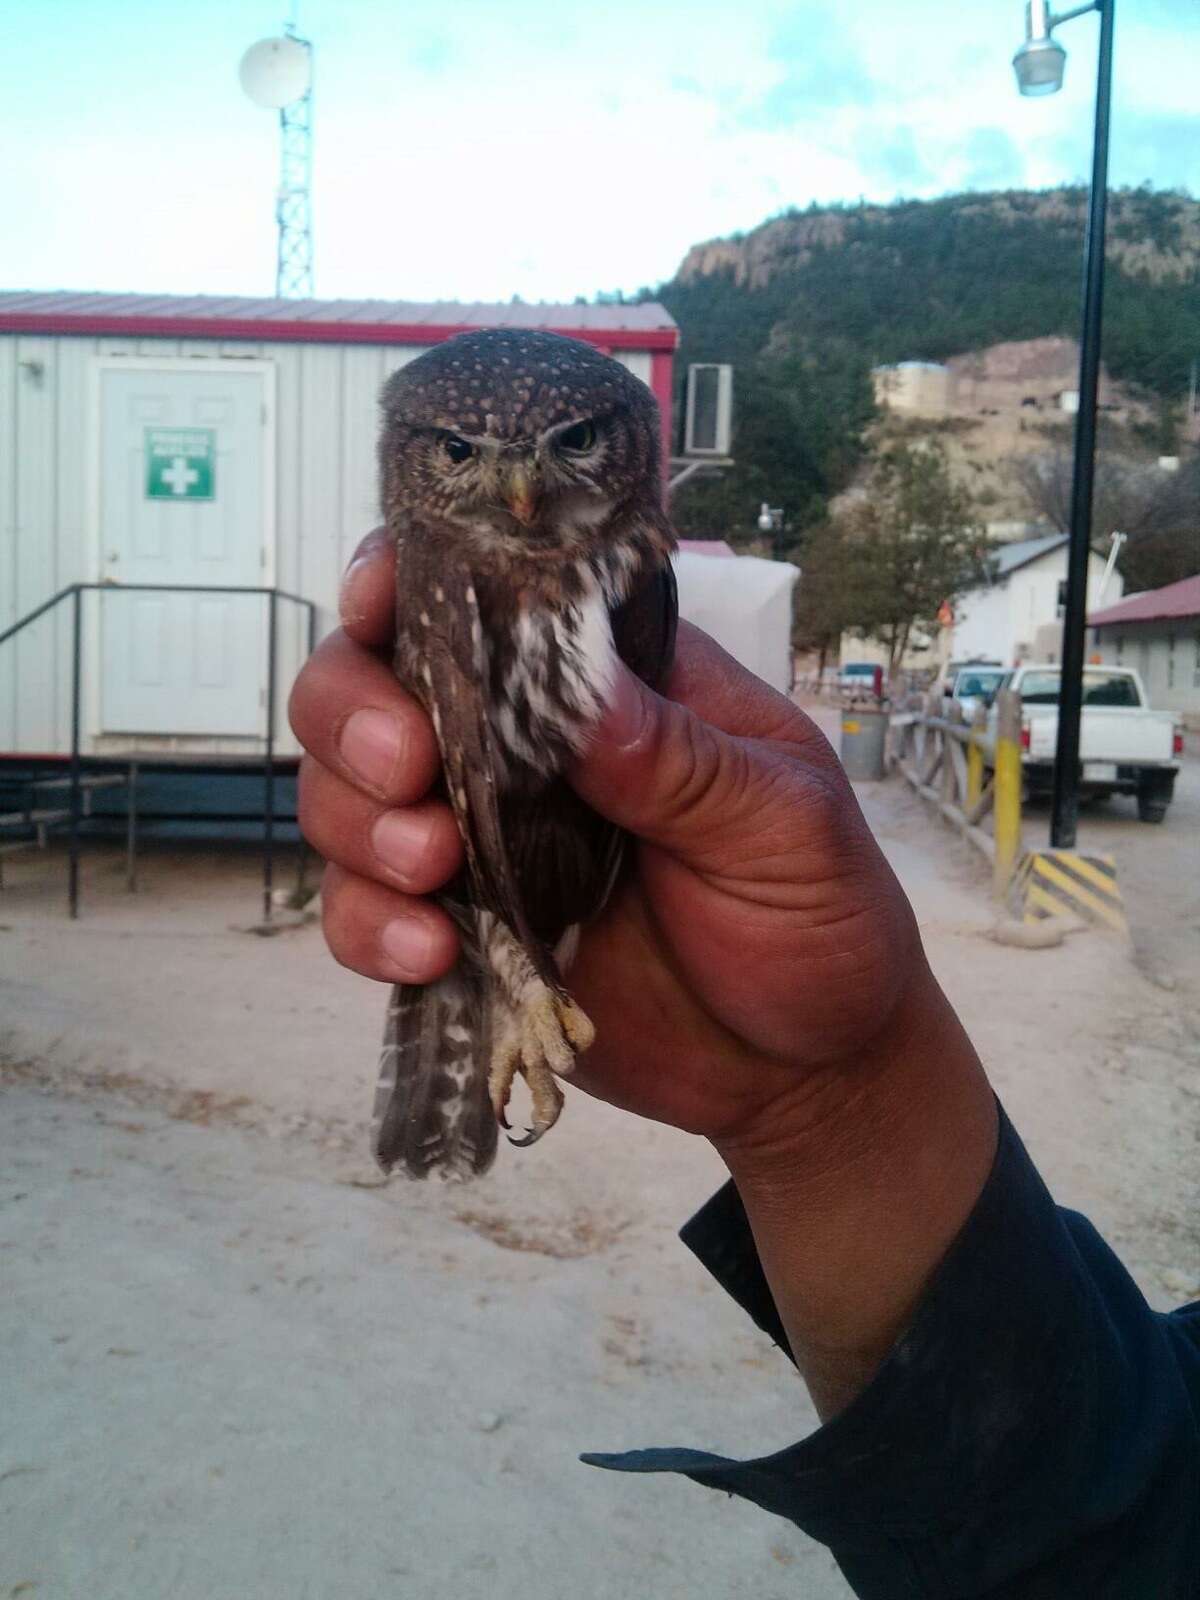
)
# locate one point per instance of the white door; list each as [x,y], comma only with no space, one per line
[182,501]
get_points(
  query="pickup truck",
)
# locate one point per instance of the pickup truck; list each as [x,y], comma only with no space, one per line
[1124,747]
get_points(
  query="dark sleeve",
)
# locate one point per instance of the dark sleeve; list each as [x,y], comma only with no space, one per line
[1034,1435]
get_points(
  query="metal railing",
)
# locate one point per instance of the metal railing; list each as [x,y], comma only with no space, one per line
[75,593]
[978,768]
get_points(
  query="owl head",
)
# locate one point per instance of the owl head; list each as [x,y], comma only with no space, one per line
[527,442]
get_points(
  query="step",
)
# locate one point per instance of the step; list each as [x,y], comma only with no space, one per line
[42,817]
[97,780]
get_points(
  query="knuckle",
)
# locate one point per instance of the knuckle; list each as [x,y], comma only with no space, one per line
[345,928]
[310,806]
[706,776]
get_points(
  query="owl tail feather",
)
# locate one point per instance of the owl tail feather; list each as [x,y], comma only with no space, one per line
[432,1110]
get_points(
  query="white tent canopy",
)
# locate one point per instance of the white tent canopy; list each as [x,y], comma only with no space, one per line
[745,603]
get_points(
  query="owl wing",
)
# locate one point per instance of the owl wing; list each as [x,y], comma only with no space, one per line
[440,657]
[566,856]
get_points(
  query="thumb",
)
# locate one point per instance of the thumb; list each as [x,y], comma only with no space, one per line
[657,769]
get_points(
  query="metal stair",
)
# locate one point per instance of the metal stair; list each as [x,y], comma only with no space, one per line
[28,814]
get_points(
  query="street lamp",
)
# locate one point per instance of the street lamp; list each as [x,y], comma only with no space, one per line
[770,518]
[1039,62]
[1038,65]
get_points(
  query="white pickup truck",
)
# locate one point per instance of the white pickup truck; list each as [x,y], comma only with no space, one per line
[1124,747]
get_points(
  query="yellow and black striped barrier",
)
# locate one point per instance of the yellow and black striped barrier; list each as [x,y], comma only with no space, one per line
[1064,883]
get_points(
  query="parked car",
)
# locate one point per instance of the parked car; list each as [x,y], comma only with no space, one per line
[975,687]
[861,677]
[950,670]
[1124,746]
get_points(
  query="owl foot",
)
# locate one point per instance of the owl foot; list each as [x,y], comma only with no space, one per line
[539,1039]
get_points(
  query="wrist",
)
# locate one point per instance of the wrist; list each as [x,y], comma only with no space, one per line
[857,1182]
[831,1110]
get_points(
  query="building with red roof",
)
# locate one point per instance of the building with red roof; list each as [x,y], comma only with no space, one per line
[1158,633]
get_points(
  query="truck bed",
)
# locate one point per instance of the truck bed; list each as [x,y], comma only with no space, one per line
[1123,735]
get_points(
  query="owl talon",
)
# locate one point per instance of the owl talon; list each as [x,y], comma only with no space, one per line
[547,1104]
[538,1041]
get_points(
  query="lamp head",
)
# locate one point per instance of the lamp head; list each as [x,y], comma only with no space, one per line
[1039,62]
[1039,65]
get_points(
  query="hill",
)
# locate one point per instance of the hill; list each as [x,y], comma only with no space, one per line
[807,304]
[936,278]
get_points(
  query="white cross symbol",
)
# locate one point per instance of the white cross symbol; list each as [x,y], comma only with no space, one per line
[179,477]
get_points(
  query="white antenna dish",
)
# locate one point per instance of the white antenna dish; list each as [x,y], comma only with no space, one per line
[275,72]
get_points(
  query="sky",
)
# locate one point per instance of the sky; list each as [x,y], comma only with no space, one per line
[474,150]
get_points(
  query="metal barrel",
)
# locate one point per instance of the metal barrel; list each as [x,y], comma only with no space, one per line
[864,734]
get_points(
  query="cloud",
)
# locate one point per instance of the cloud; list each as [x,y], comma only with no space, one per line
[820,67]
[991,160]
[889,159]
[1162,143]
[534,149]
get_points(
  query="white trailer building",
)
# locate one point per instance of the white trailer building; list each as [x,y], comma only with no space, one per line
[219,442]
[222,451]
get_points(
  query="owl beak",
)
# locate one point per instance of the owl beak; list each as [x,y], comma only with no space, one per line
[522,494]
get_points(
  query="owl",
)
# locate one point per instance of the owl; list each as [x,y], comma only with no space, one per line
[520,476]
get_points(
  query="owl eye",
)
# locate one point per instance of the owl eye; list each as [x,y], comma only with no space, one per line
[579,438]
[457,449]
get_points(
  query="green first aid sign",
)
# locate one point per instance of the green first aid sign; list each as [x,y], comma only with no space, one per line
[181,463]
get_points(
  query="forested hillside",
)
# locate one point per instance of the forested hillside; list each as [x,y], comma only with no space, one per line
[933,278]
[809,302]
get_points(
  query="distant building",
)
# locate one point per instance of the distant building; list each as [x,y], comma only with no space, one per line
[1158,634]
[920,388]
[1016,616]
[1025,376]
[1021,380]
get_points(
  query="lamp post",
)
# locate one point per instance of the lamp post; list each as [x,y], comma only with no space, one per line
[1039,68]
[771,520]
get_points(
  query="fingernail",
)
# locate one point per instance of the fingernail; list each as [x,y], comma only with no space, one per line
[408,944]
[625,715]
[372,743]
[400,839]
[350,605]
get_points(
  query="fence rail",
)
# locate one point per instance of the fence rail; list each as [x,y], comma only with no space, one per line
[971,773]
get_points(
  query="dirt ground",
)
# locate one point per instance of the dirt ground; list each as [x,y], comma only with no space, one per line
[234,1363]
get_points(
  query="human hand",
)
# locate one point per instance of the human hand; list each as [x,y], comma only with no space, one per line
[757,977]
[758,949]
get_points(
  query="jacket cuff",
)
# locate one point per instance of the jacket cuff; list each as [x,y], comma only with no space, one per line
[991,1429]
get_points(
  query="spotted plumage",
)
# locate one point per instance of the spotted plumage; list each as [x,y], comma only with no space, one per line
[520,477]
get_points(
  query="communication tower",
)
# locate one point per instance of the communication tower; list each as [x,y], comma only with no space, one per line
[277,74]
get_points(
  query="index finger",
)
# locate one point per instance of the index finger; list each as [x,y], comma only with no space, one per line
[367,599]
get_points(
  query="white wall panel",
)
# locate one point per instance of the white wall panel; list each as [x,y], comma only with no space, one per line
[73,559]
[359,425]
[319,469]
[638,362]
[37,666]
[9,548]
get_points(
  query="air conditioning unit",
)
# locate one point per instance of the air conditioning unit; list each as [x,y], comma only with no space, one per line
[708,418]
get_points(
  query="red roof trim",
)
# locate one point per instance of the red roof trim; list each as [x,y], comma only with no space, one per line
[1174,602]
[270,331]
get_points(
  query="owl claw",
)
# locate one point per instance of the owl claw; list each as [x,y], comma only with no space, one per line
[547,1103]
[538,1041]
[530,1136]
